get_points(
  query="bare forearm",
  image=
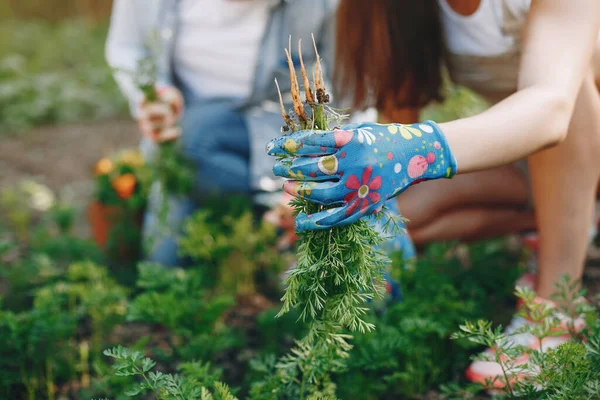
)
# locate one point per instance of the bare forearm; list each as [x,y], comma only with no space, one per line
[524,123]
[558,46]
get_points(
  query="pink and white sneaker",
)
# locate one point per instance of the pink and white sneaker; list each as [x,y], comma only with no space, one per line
[486,372]
[489,371]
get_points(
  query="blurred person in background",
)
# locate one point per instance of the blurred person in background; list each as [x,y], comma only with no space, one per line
[535,61]
[220,57]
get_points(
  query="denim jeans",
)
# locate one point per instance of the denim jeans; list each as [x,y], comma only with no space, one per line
[215,140]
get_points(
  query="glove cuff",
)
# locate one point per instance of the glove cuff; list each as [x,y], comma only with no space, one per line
[451,165]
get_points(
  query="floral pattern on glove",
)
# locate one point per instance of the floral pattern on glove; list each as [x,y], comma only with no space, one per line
[355,169]
[362,191]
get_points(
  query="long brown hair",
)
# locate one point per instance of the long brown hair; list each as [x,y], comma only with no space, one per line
[389,53]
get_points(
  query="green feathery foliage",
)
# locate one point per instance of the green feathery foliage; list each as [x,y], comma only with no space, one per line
[569,371]
[188,385]
[338,270]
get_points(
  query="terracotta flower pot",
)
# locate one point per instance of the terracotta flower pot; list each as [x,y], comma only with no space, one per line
[105,221]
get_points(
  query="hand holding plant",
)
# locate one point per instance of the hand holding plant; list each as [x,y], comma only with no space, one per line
[160,112]
[339,270]
[162,106]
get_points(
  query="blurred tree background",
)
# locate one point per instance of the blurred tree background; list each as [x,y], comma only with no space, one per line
[93,11]
[52,66]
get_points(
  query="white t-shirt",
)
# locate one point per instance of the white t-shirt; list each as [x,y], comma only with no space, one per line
[481,34]
[218,45]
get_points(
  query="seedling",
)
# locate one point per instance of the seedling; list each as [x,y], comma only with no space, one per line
[171,168]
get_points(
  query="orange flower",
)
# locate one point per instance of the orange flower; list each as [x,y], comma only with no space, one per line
[124,185]
[104,167]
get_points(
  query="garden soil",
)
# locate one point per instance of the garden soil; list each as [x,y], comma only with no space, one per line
[63,158]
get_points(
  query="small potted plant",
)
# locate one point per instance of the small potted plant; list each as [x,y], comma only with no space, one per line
[116,213]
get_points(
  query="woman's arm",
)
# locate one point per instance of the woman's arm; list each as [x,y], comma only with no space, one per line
[358,167]
[559,43]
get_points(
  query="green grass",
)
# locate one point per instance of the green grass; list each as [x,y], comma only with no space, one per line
[54,73]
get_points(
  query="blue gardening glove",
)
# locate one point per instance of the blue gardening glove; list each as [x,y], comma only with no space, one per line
[359,167]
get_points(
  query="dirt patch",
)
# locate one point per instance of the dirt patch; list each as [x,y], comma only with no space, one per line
[60,156]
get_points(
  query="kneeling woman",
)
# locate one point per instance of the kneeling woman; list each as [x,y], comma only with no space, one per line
[533,60]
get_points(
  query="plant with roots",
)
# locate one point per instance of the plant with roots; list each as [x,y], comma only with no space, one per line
[338,272]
